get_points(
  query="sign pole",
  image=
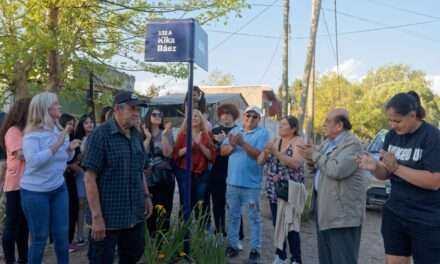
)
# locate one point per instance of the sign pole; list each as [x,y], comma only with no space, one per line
[188,175]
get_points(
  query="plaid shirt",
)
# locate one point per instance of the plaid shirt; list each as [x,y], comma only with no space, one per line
[118,162]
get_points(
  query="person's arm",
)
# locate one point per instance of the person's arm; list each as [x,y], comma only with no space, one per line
[420,178]
[167,145]
[14,143]
[429,177]
[207,147]
[294,162]
[342,165]
[34,155]
[180,147]
[148,199]
[98,223]
[380,172]
[254,152]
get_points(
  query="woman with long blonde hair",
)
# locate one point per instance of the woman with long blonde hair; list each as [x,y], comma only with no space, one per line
[203,152]
[44,197]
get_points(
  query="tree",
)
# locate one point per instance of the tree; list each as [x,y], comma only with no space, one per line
[153,91]
[217,77]
[366,101]
[45,43]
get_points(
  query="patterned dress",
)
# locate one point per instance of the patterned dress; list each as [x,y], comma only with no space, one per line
[274,167]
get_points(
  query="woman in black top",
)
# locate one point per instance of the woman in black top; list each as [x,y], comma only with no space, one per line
[410,159]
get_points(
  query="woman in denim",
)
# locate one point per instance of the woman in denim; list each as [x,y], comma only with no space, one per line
[16,229]
[44,197]
[203,152]
[85,127]
[283,162]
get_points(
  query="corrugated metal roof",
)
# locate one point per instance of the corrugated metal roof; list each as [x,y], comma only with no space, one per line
[177,99]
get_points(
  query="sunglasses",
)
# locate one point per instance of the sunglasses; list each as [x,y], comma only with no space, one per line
[156,114]
[252,116]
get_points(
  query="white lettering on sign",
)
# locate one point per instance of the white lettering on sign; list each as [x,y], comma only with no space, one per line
[166,41]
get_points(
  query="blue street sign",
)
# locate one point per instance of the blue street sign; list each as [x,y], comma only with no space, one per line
[176,40]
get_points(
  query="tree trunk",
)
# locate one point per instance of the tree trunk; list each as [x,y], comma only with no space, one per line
[316,8]
[311,104]
[54,63]
[285,60]
[20,80]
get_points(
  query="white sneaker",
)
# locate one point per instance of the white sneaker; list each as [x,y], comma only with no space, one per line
[277,260]
[240,245]
[294,262]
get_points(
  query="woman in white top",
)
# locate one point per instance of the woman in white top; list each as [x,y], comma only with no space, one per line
[44,195]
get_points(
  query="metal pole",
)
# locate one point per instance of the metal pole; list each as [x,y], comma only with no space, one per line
[188,175]
[285,60]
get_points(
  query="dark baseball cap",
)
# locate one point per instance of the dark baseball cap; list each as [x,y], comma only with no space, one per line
[130,98]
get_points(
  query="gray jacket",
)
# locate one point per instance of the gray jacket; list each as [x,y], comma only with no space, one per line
[342,185]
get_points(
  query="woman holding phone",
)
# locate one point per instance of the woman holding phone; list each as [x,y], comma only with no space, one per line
[411,216]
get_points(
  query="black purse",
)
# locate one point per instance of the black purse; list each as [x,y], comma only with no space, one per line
[281,186]
[161,171]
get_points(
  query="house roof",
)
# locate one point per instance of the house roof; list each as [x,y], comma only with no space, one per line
[178,99]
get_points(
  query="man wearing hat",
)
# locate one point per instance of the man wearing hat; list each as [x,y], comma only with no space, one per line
[117,192]
[243,145]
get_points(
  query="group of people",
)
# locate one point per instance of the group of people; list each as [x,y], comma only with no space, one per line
[122,173]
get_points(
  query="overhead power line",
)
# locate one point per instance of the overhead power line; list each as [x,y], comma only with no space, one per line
[401,9]
[344,33]
[269,65]
[244,26]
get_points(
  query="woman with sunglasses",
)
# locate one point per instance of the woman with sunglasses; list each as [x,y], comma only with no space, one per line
[283,162]
[159,145]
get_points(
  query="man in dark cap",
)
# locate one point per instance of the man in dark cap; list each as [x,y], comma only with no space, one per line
[117,192]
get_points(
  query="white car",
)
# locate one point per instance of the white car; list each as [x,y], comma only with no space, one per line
[378,191]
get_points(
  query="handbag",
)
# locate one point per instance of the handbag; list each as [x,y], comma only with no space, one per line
[161,171]
[281,186]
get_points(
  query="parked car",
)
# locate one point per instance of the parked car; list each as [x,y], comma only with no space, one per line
[378,191]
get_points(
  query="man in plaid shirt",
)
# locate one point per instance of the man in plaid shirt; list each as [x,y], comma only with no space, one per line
[117,193]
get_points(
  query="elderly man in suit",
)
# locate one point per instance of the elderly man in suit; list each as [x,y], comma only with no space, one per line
[339,190]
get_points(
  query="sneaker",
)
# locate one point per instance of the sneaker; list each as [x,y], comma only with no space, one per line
[231,252]
[278,260]
[254,256]
[240,245]
[72,247]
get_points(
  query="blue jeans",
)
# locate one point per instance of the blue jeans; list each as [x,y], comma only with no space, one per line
[237,197]
[199,186]
[44,210]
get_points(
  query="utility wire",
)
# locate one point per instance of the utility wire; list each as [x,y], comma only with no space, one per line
[408,11]
[269,65]
[337,51]
[344,33]
[330,41]
[243,26]
[374,22]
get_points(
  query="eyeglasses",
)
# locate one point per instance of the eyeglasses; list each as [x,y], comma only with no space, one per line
[252,116]
[156,114]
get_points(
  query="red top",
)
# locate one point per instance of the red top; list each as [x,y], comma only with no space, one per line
[199,161]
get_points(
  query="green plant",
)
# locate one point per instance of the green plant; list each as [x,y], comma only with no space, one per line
[167,246]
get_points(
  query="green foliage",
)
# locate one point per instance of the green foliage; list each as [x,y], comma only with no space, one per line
[167,246]
[216,77]
[106,32]
[366,100]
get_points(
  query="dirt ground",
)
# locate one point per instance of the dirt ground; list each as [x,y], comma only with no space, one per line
[371,251]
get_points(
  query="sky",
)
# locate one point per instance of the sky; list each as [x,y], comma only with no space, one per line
[372,33]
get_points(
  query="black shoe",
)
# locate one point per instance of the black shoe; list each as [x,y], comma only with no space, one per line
[231,252]
[254,256]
